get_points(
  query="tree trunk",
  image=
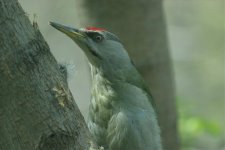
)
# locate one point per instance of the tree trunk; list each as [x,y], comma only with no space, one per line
[37,110]
[141,26]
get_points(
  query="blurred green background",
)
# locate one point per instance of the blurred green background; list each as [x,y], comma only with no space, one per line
[196,33]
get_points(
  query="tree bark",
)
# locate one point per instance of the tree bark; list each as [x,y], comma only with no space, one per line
[37,110]
[141,26]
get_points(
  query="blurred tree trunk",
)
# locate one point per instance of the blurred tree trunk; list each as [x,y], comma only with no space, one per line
[141,26]
[37,110]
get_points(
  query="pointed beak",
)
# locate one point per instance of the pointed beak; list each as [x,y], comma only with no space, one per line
[71,32]
[78,37]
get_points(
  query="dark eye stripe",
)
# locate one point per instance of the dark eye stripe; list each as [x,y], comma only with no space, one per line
[107,35]
[95,36]
[92,35]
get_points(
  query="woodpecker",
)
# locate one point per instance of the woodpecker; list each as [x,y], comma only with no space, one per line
[121,112]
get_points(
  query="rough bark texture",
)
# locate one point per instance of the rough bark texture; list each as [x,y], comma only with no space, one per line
[37,110]
[141,26]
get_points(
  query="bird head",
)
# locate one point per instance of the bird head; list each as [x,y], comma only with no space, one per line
[102,48]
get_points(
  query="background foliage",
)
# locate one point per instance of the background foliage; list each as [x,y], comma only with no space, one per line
[196,34]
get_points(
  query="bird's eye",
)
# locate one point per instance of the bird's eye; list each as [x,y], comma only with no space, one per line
[98,38]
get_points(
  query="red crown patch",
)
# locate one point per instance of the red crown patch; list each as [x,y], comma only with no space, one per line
[94,29]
